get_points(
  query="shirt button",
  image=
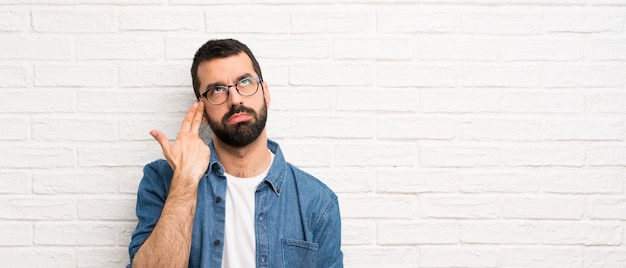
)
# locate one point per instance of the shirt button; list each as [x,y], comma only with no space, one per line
[218,199]
[217,242]
[263,259]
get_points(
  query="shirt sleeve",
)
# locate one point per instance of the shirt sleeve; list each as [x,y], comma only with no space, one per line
[328,236]
[151,197]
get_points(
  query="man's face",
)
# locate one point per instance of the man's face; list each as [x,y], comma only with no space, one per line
[241,119]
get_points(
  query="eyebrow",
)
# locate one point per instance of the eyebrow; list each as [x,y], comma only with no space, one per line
[216,84]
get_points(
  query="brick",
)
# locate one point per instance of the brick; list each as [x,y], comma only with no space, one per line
[553,101]
[73,129]
[38,100]
[606,155]
[22,47]
[82,75]
[364,99]
[411,127]
[49,2]
[159,19]
[155,75]
[521,257]
[544,155]
[547,48]
[278,125]
[291,47]
[307,154]
[381,257]
[326,21]
[128,179]
[416,20]
[560,76]
[119,48]
[16,234]
[119,155]
[308,2]
[577,129]
[123,3]
[375,48]
[459,156]
[587,20]
[120,101]
[14,20]
[76,20]
[583,182]
[437,47]
[342,180]
[378,206]
[577,233]
[459,207]
[543,208]
[503,22]
[106,209]
[411,180]
[455,256]
[422,232]
[38,257]
[85,234]
[178,100]
[332,127]
[184,47]
[608,101]
[14,181]
[499,181]
[125,234]
[379,154]
[412,75]
[604,257]
[37,208]
[603,48]
[302,99]
[276,74]
[15,76]
[500,76]
[18,130]
[102,257]
[608,208]
[331,74]
[83,181]
[460,100]
[207,2]
[500,232]
[492,129]
[37,156]
[268,21]
[358,232]
[138,128]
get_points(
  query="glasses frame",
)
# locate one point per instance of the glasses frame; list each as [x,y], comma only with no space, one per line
[227,88]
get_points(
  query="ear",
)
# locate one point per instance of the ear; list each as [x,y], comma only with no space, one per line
[266,94]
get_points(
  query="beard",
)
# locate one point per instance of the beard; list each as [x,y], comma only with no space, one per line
[243,133]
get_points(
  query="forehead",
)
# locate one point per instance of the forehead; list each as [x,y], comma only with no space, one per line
[224,70]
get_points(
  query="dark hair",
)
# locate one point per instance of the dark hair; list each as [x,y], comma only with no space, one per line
[219,48]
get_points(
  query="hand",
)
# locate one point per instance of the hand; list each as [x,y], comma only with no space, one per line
[188,156]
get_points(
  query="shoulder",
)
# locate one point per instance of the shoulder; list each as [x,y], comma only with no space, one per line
[309,185]
[157,174]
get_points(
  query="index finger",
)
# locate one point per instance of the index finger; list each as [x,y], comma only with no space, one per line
[189,117]
[197,119]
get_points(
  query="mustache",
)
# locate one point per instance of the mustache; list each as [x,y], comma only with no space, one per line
[238,109]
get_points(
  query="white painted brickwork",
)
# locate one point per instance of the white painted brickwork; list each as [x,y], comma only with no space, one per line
[487,133]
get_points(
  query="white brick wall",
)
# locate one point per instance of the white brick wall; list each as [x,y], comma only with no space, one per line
[456,133]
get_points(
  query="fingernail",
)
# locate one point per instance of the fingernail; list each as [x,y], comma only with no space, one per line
[195,104]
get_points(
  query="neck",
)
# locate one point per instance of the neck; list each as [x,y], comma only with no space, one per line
[244,162]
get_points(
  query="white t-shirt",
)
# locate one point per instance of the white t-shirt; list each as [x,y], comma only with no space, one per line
[239,233]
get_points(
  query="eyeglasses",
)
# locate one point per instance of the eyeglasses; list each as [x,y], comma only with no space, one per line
[217,95]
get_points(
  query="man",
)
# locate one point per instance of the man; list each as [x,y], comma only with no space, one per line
[235,202]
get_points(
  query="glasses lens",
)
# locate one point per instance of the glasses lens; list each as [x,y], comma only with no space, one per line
[217,95]
[247,86]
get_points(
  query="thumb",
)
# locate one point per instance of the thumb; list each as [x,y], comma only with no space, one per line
[162,140]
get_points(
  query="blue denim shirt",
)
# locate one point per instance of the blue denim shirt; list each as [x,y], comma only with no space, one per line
[297,219]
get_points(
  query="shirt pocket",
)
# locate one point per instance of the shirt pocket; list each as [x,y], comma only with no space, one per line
[298,253]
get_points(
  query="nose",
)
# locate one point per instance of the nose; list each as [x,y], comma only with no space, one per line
[234,98]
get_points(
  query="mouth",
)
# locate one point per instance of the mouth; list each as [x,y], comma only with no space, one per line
[238,118]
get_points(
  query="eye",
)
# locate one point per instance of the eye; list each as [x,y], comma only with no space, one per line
[244,82]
